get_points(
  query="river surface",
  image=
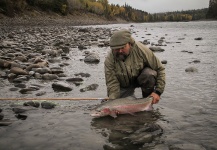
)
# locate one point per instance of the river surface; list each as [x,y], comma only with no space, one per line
[187,111]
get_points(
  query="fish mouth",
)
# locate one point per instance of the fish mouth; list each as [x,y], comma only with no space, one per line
[96,115]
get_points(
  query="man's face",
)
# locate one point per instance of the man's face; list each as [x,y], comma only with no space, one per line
[122,53]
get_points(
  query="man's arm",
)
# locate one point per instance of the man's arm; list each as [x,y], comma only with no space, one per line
[112,83]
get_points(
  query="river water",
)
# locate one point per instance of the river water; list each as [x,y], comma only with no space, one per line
[186,112]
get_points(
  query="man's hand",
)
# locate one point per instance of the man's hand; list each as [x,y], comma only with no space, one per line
[156,98]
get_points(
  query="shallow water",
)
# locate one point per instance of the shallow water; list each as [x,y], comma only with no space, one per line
[186,112]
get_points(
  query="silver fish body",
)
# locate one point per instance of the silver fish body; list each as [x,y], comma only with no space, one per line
[128,105]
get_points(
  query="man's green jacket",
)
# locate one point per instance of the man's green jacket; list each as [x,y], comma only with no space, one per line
[123,74]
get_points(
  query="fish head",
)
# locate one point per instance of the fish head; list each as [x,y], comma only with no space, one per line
[100,112]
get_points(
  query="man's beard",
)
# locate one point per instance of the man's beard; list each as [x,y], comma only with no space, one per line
[121,56]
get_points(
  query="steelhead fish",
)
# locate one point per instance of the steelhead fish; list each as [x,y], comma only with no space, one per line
[128,105]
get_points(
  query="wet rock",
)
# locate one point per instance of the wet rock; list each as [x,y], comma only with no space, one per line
[38,65]
[18,71]
[13,89]
[49,76]
[5,122]
[17,110]
[146,42]
[113,147]
[37,75]
[20,79]
[83,74]
[47,105]
[191,69]
[32,103]
[83,30]
[81,47]
[27,90]
[185,51]
[21,58]
[1,116]
[56,70]
[65,49]
[160,147]
[20,85]
[52,53]
[42,70]
[156,49]
[22,117]
[196,61]
[198,38]
[92,58]
[89,88]
[186,146]
[164,61]
[74,80]
[40,93]
[181,38]
[141,138]
[146,134]
[61,87]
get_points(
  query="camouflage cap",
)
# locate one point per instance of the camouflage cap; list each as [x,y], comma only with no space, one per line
[120,38]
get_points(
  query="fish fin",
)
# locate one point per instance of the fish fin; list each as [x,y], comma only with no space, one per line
[113,114]
[150,108]
[133,114]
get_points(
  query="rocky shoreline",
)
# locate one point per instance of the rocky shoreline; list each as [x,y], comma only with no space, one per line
[57,20]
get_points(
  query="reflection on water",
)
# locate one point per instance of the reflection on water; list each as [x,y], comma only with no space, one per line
[130,132]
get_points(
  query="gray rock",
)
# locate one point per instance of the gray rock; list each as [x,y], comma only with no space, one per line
[13,89]
[42,70]
[186,146]
[32,103]
[5,122]
[74,80]
[164,61]
[61,87]
[49,76]
[92,58]
[18,71]
[40,93]
[191,69]
[47,105]
[17,110]
[1,116]
[156,49]
[20,85]
[89,88]
[198,38]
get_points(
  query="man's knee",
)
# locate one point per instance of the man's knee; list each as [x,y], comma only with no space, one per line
[147,80]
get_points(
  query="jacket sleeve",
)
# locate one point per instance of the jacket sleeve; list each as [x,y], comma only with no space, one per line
[154,63]
[113,85]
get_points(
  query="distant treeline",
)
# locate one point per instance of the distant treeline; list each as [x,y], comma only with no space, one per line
[188,15]
[100,7]
[212,11]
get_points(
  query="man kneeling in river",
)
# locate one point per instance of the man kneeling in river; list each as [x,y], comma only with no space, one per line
[131,64]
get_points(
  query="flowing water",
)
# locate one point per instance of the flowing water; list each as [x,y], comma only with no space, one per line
[186,112]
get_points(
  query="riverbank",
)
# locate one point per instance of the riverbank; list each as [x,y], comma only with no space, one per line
[46,19]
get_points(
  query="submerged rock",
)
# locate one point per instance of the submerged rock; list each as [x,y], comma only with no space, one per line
[191,69]
[32,103]
[47,105]
[89,88]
